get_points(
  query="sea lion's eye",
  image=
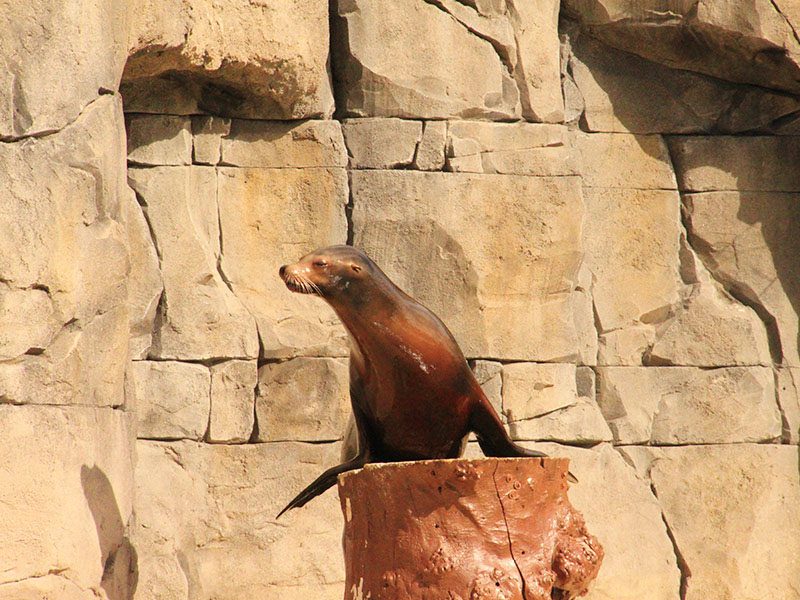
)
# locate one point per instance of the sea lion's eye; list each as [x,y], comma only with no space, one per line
[320,263]
[355,268]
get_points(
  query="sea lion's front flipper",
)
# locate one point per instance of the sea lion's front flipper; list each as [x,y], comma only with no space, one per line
[493,437]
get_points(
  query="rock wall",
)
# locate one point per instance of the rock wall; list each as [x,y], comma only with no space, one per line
[600,200]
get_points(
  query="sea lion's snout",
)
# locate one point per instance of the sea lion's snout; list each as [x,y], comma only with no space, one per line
[282,271]
[297,279]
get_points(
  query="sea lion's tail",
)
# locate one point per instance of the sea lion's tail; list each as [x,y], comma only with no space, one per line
[322,483]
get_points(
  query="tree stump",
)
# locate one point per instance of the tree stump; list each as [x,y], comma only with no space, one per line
[498,528]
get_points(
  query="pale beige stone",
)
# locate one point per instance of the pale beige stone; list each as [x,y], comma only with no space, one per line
[207,134]
[64,263]
[172,399]
[381,143]
[688,405]
[581,423]
[626,346]
[56,57]
[500,270]
[417,61]
[617,160]
[206,521]
[722,163]
[625,93]
[733,512]
[622,512]
[510,148]
[748,241]
[272,217]
[255,60]
[631,240]
[788,382]
[200,317]
[304,399]
[144,281]
[159,140]
[722,38]
[531,390]
[712,330]
[289,144]
[66,492]
[583,316]
[430,150]
[490,376]
[233,389]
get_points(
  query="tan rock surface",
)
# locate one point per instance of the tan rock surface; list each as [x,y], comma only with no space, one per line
[687,405]
[531,390]
[66,506]
[199,316]
[233,388]
[430,150]
[625,161]
[788,382]
[272,217]
[304,399]
[207,134]
[747,241]
[507,296]
[254,60]
[627,346]
[733,512]
[205,522]
[171,398]
[490,376]
[56,57]
[381,143]
[159,140]
[417,61]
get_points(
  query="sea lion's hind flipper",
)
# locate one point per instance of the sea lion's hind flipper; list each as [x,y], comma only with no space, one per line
[322,483]
[494,439]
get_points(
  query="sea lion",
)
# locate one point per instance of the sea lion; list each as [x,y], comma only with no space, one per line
[413,394]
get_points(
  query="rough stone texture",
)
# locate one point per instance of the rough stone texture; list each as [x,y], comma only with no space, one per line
[733,512]
[207,134]
[748,43]
[625,161]
[788,382]
[254,60]
[172,399]
[531,390]
[622,512]
[233,386]
[513,292]
[56,56]
[510,148]
[64,263]
[747,241]
[430,150]
[159,140]
[686,405]
[622,92]
[199,316]
[381,143]
[415,60]
[205,522]
[67,505]
[495,528]
[304,399]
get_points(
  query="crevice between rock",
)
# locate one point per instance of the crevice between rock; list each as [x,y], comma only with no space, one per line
[683,566]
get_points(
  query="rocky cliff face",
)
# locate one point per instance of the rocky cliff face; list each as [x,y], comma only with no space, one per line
[600,200]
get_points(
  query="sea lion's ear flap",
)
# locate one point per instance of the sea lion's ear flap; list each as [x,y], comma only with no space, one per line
[355,268]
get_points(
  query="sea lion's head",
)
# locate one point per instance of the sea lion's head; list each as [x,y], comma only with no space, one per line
[333,272]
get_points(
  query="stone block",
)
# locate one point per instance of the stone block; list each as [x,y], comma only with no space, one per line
[747,240]
[158,140]
[304,399]
[381,143]
[510,148]
[280,145]
[430,150]
[531,390]
[416,60]
[233,389]
[733,511]
[205,521]
[258,60]
[66,490]
[272,217]
[627,346]
[788,382]
[501,269]
[56,57]
[171,398]
[207,134]
[199,316]
[688,405]
[618,160]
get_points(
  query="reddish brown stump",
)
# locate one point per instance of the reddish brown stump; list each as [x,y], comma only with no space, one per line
[500,529]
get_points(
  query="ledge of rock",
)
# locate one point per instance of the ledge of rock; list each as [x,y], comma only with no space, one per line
[465,529]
